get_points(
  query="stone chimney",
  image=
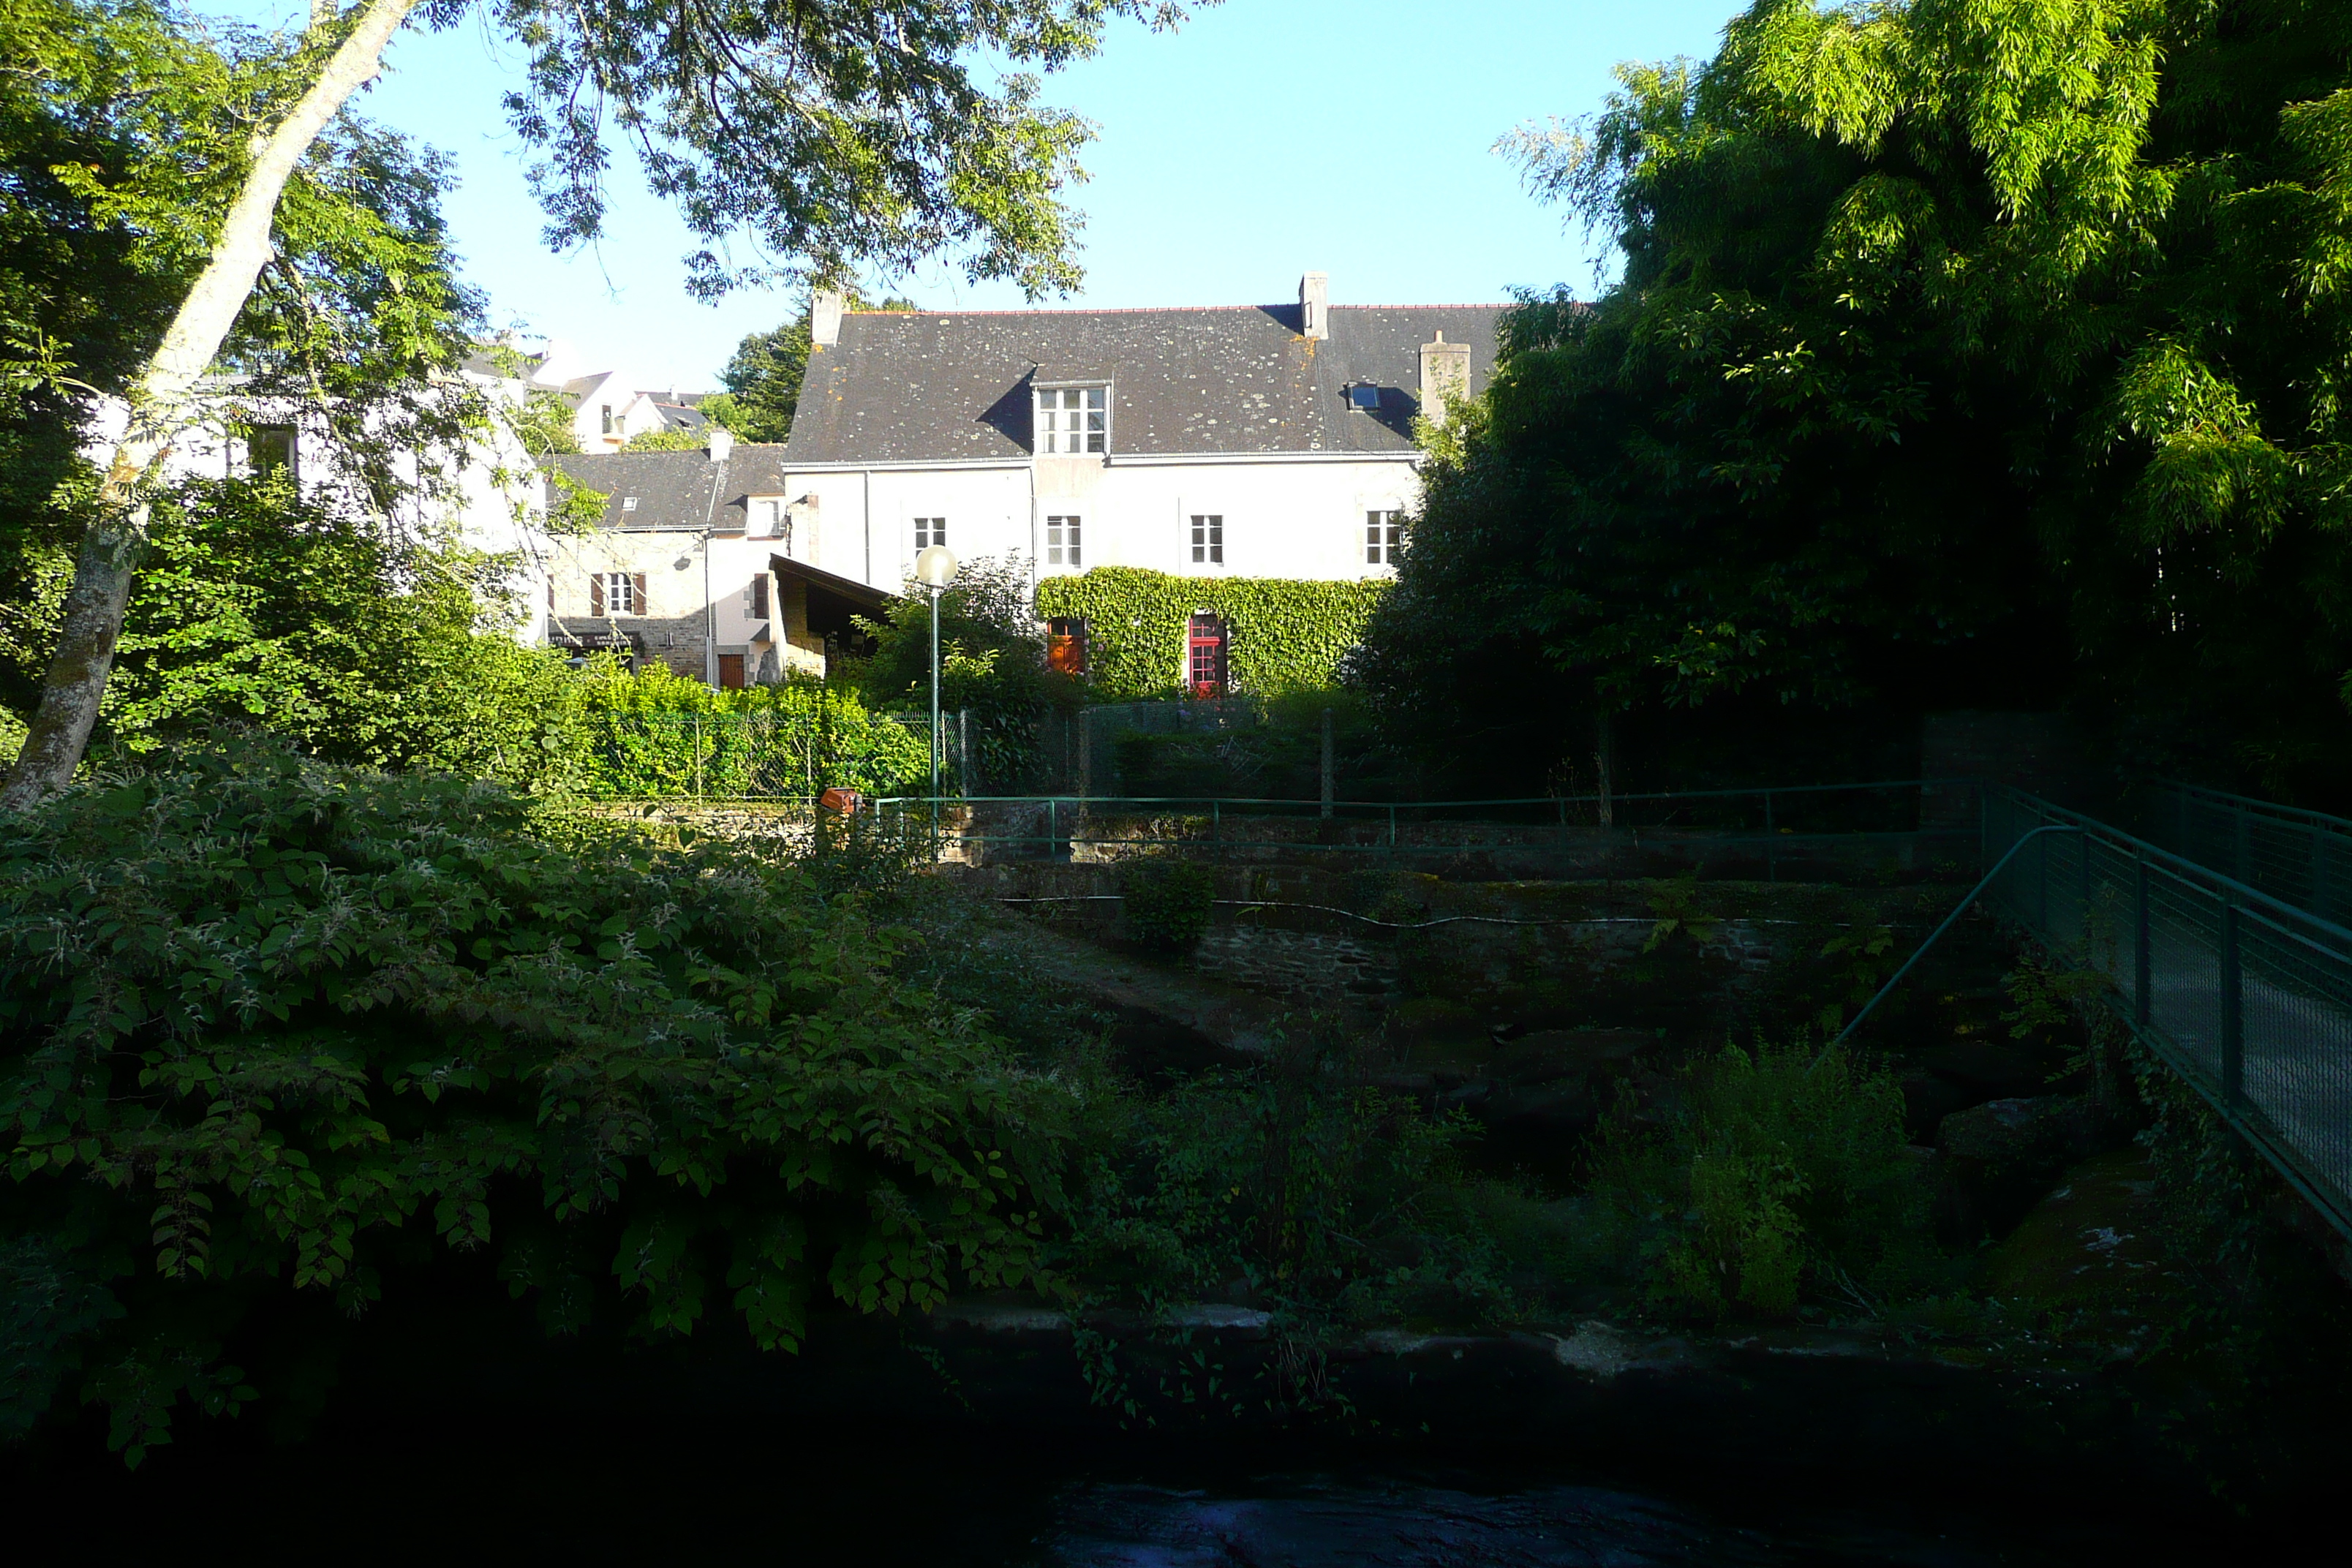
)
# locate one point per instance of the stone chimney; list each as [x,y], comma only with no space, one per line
[824,317]
[722,442]
[1315,305]
[1444,376]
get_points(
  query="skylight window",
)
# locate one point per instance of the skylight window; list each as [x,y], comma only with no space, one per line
[1364,399]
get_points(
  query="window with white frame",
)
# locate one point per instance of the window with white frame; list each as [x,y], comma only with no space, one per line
[605,411]
[930,531]
[1061,542]
[768,517]
[1383,533]
[1073,419]
[1208,539]
[620,594]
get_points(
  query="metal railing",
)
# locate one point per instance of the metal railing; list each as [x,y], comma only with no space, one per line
[2246,995]
[2303,857]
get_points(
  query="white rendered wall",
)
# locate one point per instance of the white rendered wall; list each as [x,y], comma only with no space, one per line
[1294,518]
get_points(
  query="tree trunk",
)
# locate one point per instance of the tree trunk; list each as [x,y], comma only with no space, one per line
[162,404]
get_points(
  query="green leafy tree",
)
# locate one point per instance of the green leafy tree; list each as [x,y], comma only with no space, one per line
[1962,356]
[992,662]
[669,438]
[763,378]
[119,123]
[832,135]
[257,606]
[302,1031]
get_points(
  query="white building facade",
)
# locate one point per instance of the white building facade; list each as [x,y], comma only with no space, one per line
[1247,441]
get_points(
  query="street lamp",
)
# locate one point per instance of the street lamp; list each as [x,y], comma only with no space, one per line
[935,568]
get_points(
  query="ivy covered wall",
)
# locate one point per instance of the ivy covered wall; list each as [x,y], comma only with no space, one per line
[1283,635]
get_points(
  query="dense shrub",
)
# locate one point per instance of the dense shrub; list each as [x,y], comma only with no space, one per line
[374,648]
[1772,1178]
[268,1026]
[1294,1181]
[657,733]
[1168,903]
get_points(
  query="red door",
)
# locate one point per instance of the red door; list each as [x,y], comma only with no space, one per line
[1207,663]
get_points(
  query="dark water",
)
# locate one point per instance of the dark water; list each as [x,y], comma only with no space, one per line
[666,1490]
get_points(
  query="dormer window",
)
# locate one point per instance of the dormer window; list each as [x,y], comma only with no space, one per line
[1072,419]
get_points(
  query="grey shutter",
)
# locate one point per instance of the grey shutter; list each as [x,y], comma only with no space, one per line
[760,597]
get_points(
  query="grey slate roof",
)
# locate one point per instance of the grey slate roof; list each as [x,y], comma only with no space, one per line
[946,386]
[676,489]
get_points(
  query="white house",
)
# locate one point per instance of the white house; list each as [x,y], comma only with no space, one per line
[607,409]
[1255,441]
[1245,441]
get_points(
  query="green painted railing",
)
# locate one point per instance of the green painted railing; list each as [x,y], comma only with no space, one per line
[2245,994]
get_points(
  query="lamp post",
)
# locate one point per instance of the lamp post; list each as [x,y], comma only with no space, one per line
[935,568]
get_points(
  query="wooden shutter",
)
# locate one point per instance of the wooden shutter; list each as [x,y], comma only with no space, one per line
[638,581]
[596,593]
[760,597]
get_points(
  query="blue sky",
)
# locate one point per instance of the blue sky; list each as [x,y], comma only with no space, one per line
[1265,139]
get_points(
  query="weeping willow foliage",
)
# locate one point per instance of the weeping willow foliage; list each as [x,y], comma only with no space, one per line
[1966,352]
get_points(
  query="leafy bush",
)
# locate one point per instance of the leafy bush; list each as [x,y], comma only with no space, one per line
[1770,1176]
[1168,904]
[1295,1182]
[660,733]
[991,666]
[1286,636]
[258,607]
[272,1026]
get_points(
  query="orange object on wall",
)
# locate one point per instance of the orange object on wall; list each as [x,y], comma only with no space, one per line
[844,801]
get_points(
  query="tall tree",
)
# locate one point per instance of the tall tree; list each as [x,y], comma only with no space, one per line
[1963,354]
[832,132]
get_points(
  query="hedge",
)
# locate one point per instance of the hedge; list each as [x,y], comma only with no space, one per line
[1282,635]
[657,733]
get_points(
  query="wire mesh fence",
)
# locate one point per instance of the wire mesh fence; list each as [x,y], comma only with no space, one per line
[1877,831]
[2302,858]
[2249,997]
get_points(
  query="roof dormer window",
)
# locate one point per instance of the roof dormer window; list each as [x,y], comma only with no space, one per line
[1072,419]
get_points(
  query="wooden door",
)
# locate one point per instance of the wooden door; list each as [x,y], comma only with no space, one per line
[1065,645]
[731,671]
[1206,664]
